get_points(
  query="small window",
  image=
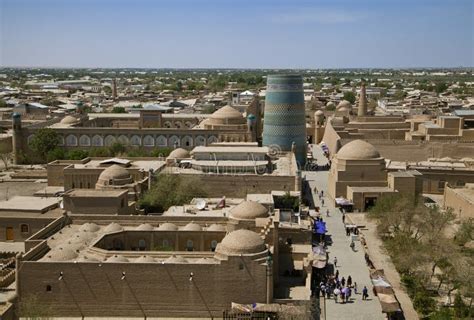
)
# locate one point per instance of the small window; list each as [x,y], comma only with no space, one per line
[189,245]
[48,288]
[213,245]
[123,203]
[141,244]
[441,184]
[241,266]
[24,228]
[166,243]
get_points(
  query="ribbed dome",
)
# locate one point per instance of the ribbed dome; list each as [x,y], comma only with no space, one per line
[114,175]
[216,227]
[358,150]
[145,259]
[192,227]
[226,112]
[175,259]
[68,120]
[249,210]
[344,104]
[178,153]
[117,258]
[145,227]
[167,227]
[330,104]
[241,242]
[113,227]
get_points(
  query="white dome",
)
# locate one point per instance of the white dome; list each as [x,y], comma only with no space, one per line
[358,150]
[248,210]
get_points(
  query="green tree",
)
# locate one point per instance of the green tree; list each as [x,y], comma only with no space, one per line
[44,140]
[117,149]
[349,96]
[77,154]
[56,154]
[171,190]
[100,152]
[119,110]
[3,103]
[161,152]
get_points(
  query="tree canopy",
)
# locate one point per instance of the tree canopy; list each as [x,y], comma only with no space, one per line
[171,190]
[44,141]
[350,96]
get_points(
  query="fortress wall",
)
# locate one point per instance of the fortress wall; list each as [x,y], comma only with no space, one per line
[149,289]
[241,185]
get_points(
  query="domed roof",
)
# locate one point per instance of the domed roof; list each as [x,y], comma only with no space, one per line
[167,227]
[83,236]
[241,242]
[114,175]
[192,227]
[175,259]
[249,210]
[226,112]
[62,254]
[87,259]
[344,103]
[145,259]
[178,153]
[358,150]
[115,172]
[68,120]
[89,227]
[330,104]
[113,227]
[145,227]
[216,227]
[318,113]
[117,258]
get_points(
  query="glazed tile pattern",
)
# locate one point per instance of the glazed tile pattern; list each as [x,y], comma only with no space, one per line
[284,120]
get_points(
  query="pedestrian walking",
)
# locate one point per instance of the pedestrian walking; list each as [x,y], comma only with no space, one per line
[348,232]
[343,282]
[336,292]
[327,213]
[355,287]
[365,293]
[343,217]
[322,202]
[335,262]
[348,293]
[328,292]
[352,245]
[337,274]
[322,193]
[349,281]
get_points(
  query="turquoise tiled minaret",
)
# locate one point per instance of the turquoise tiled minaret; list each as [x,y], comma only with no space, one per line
[284,119]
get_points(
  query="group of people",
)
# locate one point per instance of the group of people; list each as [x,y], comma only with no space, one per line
[339,289]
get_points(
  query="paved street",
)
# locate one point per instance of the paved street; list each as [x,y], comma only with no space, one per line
[349,262]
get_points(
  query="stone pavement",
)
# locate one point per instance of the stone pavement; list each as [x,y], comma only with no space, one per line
[348,262]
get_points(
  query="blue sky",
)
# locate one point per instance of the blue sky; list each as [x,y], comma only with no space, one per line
[238,34]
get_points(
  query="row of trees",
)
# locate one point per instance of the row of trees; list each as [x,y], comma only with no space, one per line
[432,262]
[45,144]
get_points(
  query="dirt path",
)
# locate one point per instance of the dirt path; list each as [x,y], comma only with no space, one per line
[382,261]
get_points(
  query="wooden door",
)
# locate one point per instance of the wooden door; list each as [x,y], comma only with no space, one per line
[10,234]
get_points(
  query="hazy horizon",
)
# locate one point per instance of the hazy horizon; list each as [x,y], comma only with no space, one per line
[259,34]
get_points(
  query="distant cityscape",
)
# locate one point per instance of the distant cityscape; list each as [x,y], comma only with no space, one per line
[237,194]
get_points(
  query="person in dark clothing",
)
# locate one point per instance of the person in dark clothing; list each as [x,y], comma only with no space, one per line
[348,231]
[343,282]
[365,293]
[343,217]
[349,281]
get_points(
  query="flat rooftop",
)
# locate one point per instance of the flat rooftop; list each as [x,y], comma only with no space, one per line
[230,149]
[92,193]
[29,204]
